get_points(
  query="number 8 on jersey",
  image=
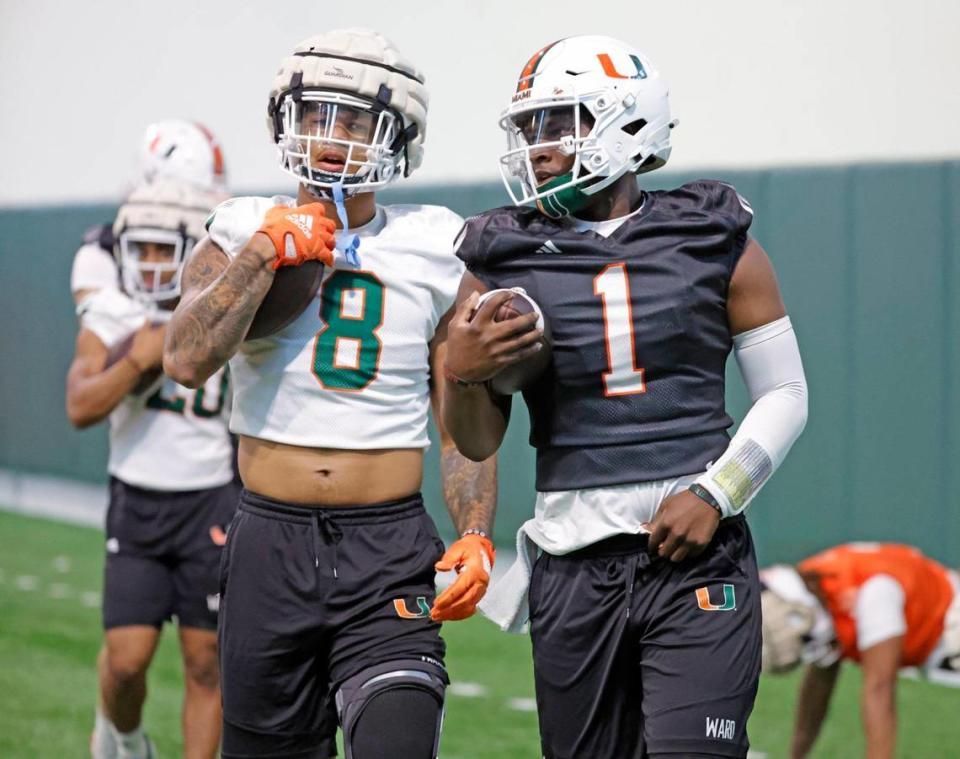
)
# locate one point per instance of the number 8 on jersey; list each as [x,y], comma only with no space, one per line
[346,350]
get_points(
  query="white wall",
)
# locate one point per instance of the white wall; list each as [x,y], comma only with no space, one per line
[754,82]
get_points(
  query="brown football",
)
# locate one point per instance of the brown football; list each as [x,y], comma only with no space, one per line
[120,350]
[523,373]
[293,288]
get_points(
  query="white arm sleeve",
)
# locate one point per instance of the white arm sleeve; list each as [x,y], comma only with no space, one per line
[769,361]
[878,611]
[93,269]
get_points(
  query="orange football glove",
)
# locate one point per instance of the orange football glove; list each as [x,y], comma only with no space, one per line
[300,234]
[472,557]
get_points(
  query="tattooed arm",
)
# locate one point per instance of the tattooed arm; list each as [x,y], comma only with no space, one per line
[469,487]
[220,298]
[470,492]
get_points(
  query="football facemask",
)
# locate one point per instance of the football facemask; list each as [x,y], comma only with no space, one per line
[335,137]
[531,135]
[154,232]
[151,261]
[797,629]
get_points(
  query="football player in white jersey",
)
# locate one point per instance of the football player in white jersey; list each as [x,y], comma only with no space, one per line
[328,581]
[175,149]
[172,488]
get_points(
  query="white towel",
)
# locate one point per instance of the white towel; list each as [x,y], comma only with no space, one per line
[505,603]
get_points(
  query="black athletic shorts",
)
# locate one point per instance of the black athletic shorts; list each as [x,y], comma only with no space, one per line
[310,597]
[163,551]
[633,654]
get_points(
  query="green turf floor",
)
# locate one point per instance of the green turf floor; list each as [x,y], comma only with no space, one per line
[49,636]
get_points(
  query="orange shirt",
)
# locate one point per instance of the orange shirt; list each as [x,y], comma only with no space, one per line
[841,572]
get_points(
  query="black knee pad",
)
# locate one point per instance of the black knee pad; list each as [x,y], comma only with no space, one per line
[393,711]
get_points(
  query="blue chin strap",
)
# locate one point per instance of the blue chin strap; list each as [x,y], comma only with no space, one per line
[348,243]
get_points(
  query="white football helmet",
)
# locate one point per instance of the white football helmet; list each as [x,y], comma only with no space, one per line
[591,97]
[183,151]
[347,108]
[796,627]
[154,232]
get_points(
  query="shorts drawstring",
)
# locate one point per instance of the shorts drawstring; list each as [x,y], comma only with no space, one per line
[326,523]
[636,564]
[333,532]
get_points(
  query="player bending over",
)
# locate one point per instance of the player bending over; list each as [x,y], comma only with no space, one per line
[329,576]
[644,603]
[883,606]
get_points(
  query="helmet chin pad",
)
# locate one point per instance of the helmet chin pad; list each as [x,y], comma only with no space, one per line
[564,201]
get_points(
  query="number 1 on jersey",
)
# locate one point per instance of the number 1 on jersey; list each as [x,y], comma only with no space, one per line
[623,377]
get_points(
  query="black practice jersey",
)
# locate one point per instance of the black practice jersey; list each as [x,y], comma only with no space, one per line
[638,323]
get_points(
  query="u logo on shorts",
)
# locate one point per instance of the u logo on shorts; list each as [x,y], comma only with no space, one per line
[729,599]
[423,608]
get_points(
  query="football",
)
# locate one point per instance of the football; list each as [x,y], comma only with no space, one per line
[291,292]
[120,350]
[522,374]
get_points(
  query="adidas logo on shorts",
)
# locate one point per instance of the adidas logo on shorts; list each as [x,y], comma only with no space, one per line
[304,223]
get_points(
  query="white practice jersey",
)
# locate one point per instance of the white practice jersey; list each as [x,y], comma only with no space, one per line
[93,269]
[168,437]
[352,371]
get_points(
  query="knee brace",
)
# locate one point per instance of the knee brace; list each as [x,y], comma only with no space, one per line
[393,710]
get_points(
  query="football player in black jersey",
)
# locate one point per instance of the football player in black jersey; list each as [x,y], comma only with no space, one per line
[644,604]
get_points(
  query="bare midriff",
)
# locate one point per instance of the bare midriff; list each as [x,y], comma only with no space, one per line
[329,477]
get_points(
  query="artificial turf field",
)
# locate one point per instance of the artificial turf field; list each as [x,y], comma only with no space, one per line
[49,636]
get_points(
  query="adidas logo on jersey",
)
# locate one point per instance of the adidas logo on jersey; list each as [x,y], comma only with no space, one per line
[548,247]
[303,222]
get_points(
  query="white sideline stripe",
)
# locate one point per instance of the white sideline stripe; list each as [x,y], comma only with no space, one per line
[522,704]
[59,590]
[27,582]
[467,690]
[53,497]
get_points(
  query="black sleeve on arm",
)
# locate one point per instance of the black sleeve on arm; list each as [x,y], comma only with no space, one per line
[736,215]
[472,247]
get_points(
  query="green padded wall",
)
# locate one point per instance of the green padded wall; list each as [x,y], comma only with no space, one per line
[866,257]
